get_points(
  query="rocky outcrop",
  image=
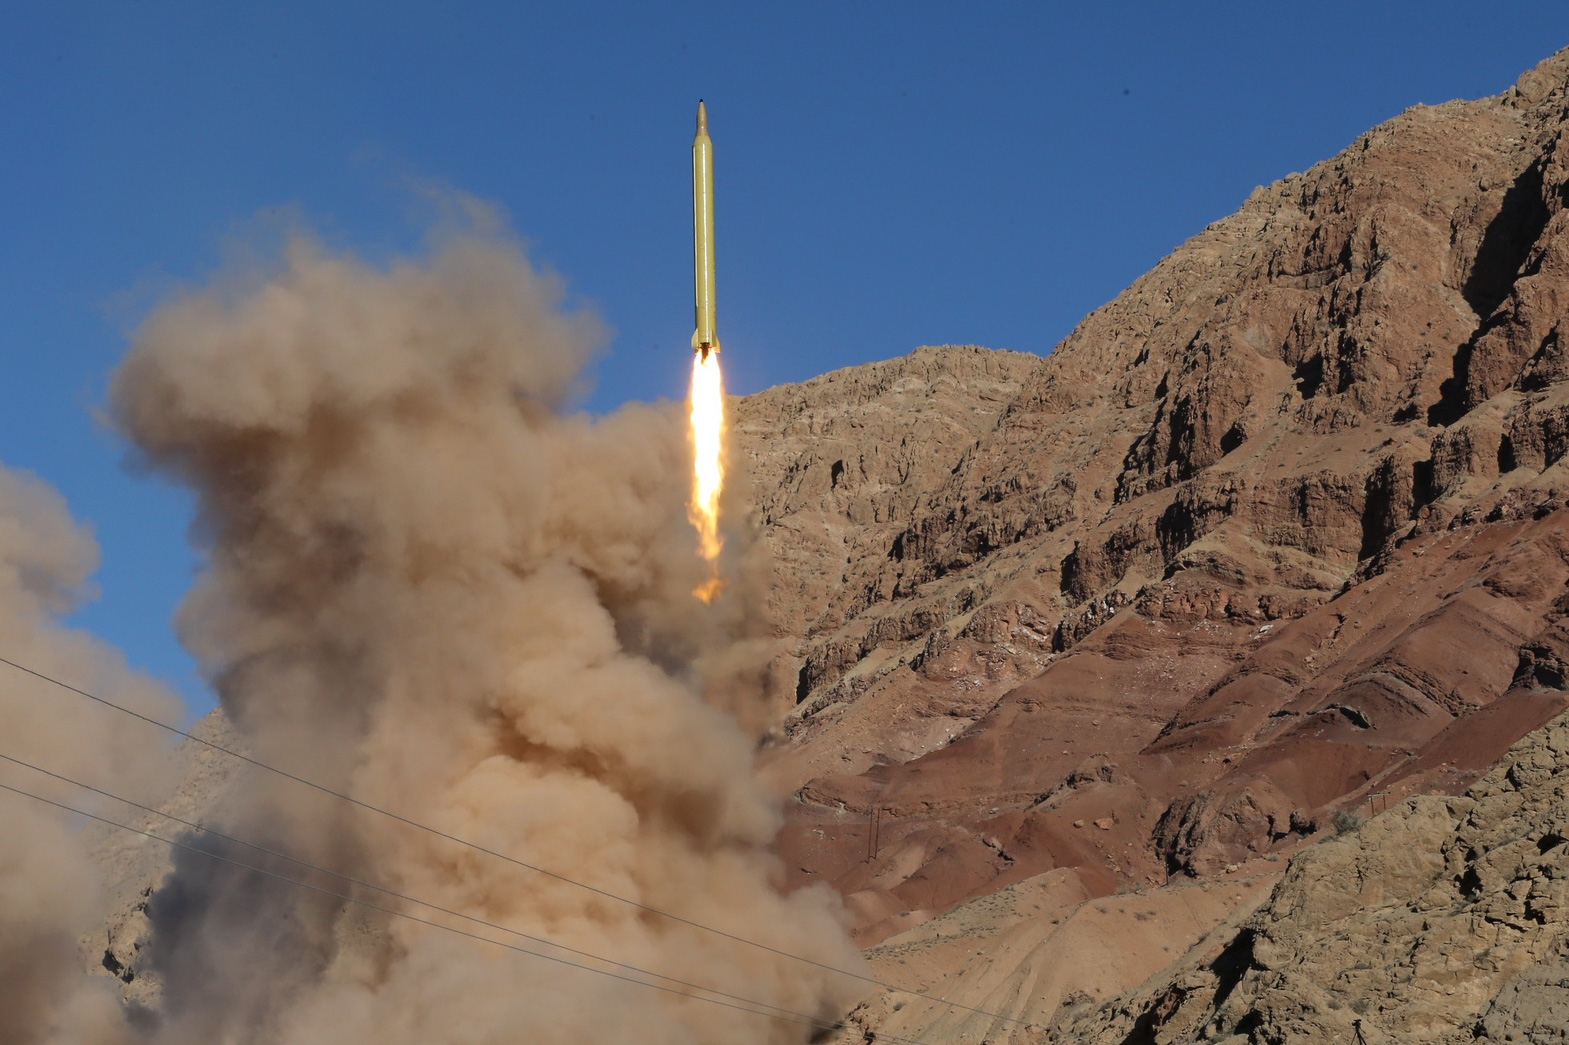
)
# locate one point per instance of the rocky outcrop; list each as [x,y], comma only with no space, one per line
[836,469]
[1442,919]
[134,864]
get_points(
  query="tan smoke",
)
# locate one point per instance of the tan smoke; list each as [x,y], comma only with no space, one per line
[432,587]
[49,887]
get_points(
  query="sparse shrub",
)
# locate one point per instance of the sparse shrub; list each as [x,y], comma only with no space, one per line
[1345,821]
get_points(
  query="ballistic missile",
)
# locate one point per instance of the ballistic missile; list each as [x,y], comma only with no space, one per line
[704,340]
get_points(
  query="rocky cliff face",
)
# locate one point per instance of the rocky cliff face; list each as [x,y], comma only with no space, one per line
[1277,532]
[1440,920]
[838,468]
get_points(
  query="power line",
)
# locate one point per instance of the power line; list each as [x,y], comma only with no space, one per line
[817,1023]
[389,892]
[502,856]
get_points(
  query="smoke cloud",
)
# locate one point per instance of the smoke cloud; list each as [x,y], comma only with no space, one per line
[432,587]
[50,890]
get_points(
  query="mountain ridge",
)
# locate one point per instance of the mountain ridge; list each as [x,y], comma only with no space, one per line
[1227,539]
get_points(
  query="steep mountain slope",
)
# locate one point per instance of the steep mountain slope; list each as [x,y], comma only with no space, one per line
[1439,920]
[1274,532]
[837,468]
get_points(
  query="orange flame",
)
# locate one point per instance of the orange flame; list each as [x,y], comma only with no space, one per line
[708,468]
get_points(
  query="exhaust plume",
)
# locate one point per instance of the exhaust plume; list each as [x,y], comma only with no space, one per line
[430,587]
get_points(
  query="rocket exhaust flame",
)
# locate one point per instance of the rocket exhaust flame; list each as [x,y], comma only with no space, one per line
[708,397]
[708,469]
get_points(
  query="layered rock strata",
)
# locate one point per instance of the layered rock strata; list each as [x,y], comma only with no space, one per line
[1278,532]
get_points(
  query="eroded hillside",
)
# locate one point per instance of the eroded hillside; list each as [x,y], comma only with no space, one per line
[1440,920]
[1276,532]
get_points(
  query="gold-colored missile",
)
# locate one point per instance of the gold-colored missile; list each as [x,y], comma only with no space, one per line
[704,340]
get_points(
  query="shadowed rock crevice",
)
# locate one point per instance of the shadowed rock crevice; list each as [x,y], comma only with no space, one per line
[1507,243]
[1451,404]
[1389,501]
[1153,1018]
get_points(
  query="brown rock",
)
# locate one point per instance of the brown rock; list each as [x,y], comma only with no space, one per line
[1440,917]
[1277,531]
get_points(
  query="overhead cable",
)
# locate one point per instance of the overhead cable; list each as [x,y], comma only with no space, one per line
[816,1023]
[213,832]
[437,832]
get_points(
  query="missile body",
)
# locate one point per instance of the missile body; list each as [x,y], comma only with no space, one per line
[704,340]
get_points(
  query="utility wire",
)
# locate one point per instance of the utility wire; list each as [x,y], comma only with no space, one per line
[390,892]
[502,856]
[816,1023]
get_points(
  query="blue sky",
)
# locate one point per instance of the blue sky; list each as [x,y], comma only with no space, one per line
[886,175]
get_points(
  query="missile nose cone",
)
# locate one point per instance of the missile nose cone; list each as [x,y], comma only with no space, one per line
[702,118]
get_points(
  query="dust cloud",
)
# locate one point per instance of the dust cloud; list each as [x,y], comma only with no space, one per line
[50,889]
[432,586]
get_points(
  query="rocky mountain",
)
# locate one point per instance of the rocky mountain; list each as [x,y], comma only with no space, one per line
[1275,533]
